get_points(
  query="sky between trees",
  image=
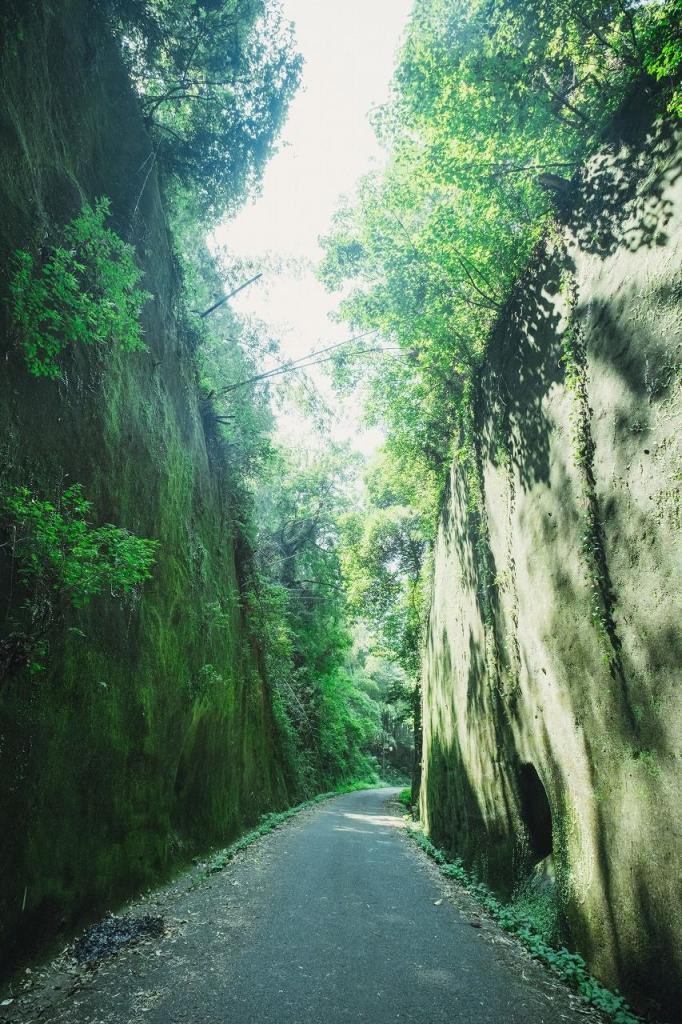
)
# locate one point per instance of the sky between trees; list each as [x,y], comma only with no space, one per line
[349,48]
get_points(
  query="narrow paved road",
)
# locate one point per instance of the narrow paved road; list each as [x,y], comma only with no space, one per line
[337,917]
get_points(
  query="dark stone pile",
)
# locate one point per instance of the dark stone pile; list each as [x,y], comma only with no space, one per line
[108,937]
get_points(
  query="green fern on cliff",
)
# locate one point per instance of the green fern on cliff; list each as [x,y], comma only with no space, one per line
[60,558]
[86,290]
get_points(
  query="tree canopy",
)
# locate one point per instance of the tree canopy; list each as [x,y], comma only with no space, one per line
[491,100]
[215,78]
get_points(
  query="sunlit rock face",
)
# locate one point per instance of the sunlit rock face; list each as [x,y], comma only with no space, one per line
[551,711]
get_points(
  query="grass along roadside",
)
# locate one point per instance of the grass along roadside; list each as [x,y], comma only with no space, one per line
[405,798]
[569,966]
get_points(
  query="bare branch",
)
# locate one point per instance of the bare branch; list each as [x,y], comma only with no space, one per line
[231,295]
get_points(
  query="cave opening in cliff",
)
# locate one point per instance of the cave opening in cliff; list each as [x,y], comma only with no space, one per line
[536,812]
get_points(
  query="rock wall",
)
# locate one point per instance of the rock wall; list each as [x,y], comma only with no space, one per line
[551,695]
[150,733]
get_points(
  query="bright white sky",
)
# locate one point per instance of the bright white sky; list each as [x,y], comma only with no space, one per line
[349,47]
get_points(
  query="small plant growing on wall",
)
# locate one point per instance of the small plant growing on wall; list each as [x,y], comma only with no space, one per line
[86,290]
[61,559]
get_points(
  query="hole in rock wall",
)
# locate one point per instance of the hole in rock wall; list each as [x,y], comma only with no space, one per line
[536,812]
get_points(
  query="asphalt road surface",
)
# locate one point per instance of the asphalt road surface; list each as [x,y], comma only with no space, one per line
[336,917]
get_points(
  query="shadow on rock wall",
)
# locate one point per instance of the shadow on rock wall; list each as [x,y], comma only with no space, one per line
[524,363]
[599,736]
[609,208]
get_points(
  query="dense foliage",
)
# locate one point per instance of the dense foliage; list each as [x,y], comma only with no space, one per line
[297,597]
[83,289]
[59,558]
[494,103]
[663,48]
[335,702]
[55,545]
[337,705]
[215,80]
[387,539]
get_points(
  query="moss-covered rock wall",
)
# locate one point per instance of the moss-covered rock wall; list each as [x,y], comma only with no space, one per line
[551,675]
[149,734]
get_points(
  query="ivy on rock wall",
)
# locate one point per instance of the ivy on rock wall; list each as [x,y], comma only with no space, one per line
[495,106]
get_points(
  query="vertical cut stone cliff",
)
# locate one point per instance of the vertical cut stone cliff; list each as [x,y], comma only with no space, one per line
[551,692]
[150,732]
